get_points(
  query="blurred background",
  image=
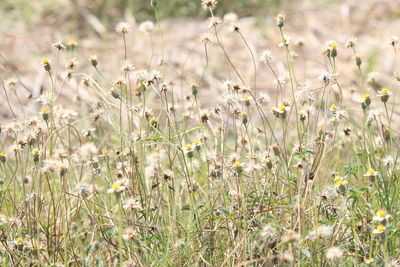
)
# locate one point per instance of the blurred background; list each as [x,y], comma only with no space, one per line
[29,28]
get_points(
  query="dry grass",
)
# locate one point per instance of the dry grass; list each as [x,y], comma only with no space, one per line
[201,153]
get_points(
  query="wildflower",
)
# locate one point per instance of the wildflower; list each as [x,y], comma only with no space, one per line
[333,253]
[131,204]
[246,99]
[280,20]
[114,93]
[168,175]
[35,154]
[129,234]
[263,98]
[59,45]
[379,229]
[323,231]
[71,64]
[244,117]
[340,184]
[384,94]
[268,162]
[93,60]
[118,187]
[280,111]
[381,215]
[333,108]
[213,22]
[146,27]
[188,149]
[122,28]
[331,50]
[290,236]
[19,241]
[46,64]
[234,28]
[208,4]
[71,44]
[2,157]
[266,56]
[393,40]
[153,122]
[368,260]
[62,169]
[351,43]
[197,144]
[45,114]
[328,78]
[357,57]
[230,17]
[371,174]
[194,89]
[284,41]
[365,100]
[127,67]
[205,38]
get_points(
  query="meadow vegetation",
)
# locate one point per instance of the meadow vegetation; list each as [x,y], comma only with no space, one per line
[143,172]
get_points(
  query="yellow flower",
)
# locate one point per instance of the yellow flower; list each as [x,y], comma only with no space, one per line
[384,91]
[246,97]
[43,110]
[153,122]
[104,152]
[35,151]
[368,260]
[379,229]
[333,107]
[381,215]
[237,163]
[19,241]
[341,182]
[371,173]
[333,45]
[72,42]
[188,147]
[45,61]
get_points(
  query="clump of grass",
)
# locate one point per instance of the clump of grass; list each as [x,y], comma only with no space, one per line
[146,176]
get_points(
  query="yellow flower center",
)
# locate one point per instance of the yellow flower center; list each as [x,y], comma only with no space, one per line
[366,96]
[333,107]
[245,97]
[381,213]
[371,171]
[72,42]
[188,147]
[115,187]
[333,46]
[19,241]
[43,110]
[196,142]
[45,61]
[380,228]
[340,182]
[236,163]
[282,108]
[384,91]
[104,152]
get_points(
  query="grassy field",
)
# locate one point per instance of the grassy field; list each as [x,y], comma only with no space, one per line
[199,133]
